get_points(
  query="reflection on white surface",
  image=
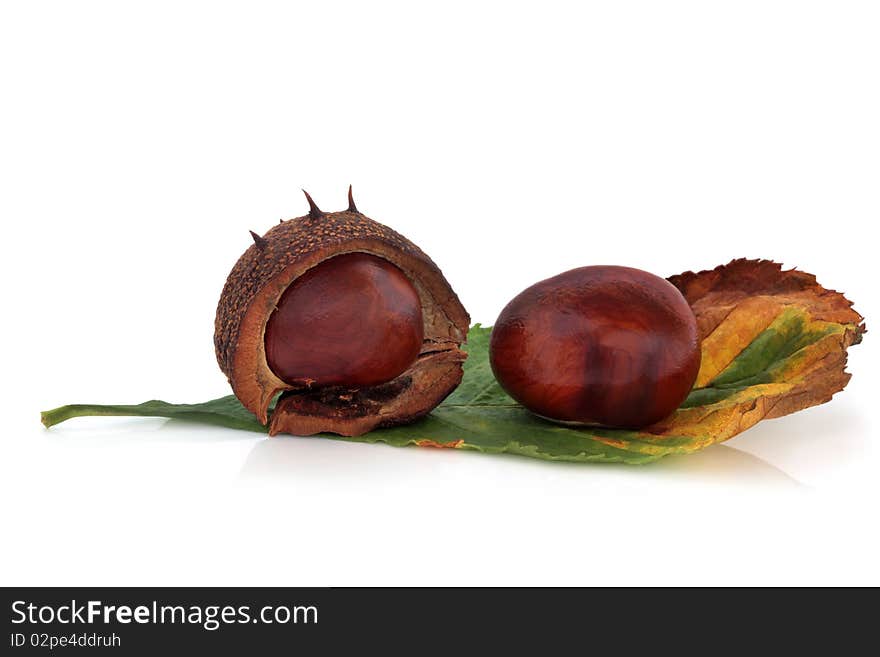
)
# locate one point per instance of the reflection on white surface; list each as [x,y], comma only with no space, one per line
[828,447]
[493,519]
[823,445]
[89,431]
[726,463]
[818,446]
[299,459]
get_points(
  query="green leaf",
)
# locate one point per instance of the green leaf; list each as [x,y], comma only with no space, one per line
[478,415]
[223,412]
[771,348]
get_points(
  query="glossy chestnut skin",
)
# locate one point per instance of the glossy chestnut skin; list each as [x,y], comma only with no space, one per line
[603,345]
[352,320]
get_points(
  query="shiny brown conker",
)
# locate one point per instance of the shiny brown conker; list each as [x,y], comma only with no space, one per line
[352,320]
[603,345]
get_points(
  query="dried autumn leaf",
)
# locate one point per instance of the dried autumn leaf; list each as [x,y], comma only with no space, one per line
[773,342]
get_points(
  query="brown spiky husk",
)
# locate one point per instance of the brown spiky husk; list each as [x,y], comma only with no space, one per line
[266,269]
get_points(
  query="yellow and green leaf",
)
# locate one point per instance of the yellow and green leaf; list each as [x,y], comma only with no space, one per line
[773,342]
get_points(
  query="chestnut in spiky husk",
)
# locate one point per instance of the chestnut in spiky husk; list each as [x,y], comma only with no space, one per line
[351,322]
[603,345]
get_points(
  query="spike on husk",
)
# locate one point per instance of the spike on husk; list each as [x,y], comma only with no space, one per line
[314,210]
[351,206]
[258,240]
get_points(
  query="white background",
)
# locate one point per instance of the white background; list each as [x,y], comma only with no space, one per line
[139,142]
